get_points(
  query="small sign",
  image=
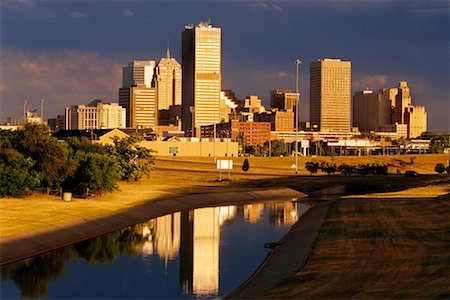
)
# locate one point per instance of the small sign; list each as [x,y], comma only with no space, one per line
[173,150]
[224,164]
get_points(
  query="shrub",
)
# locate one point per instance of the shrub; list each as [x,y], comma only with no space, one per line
[440,168]
[346,169]
[245,165]
[312,166]
[328,167]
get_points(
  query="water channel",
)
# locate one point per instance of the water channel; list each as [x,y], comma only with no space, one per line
[201,253]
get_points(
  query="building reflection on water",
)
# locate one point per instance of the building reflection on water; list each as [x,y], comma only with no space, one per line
[192,236]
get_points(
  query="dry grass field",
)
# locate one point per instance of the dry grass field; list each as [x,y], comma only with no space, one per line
[377,249]
[177,176]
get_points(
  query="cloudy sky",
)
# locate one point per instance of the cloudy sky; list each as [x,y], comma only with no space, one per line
[71,52]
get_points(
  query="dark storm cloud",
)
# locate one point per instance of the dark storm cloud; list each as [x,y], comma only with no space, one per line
[387,42]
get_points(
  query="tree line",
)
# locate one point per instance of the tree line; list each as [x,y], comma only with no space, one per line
[32,160]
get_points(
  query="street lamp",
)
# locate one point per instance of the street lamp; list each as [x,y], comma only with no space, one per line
[297,63]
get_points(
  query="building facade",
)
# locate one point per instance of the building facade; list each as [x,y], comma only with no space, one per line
[141,106]
[168,82]
[283,99]
[279,120]
[138,72]
[330,95]
[201,61]
[95,115]
[371,110]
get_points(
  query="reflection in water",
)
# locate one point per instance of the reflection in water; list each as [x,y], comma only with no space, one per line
[191,236]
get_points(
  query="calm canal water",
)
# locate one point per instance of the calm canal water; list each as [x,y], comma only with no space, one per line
[202,253]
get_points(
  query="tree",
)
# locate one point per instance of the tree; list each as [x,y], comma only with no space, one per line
[134,161]
[51,156]
[17,176]
[245,165]
[440,168]
[312,166]
[95,172]
[277,148]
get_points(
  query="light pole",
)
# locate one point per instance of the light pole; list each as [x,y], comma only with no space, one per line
[297,63]
[192,110]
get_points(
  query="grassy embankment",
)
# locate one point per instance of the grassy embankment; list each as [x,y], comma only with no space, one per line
[177,176]
[378,248]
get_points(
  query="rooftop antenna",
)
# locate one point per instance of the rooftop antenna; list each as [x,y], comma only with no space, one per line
[167,50]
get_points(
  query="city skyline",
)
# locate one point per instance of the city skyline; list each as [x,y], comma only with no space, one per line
[78,49]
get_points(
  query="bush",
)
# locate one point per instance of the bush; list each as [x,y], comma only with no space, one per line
[440,168]
[346,169]
[328,167]
[312,166]
[245,165]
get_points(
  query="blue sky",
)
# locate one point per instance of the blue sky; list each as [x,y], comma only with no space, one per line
[70,52]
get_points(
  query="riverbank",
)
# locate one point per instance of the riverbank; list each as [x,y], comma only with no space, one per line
[36,242]
[391,245]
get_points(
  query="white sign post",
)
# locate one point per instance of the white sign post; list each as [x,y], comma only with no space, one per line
[224,164]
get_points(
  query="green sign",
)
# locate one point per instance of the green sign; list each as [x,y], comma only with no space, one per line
[173,150]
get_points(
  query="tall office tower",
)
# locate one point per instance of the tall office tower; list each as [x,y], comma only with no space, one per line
[402,101]
[283,99]
[371,110]
[330,95]
[201,61]
[95,115]
[138,72]
[416,118]
[168,82]
[140,103]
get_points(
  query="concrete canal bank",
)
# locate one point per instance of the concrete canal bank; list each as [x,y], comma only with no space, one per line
[15,248]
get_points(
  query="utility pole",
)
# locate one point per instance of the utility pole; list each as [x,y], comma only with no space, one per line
[42,110]
[297,63]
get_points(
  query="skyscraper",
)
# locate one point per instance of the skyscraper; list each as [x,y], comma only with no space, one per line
[168,82]
[330,95]
[140,103]
[201,60]
[138,72]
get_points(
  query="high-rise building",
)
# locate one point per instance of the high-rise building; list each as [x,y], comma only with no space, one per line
[330,95]
[138,72]
[201,61]
[140,103]
[95,115]
[402,101]
[416,118]
[168,82]
[371,110]
[283,99]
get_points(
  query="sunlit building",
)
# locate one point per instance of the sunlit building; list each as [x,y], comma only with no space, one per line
[168,82]
[141,104]
[283,99]
[138,72]
[95,115]
[416,120]
[330,95]
[201,61]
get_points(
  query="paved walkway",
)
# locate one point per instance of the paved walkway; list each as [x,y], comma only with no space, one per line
[23,246]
